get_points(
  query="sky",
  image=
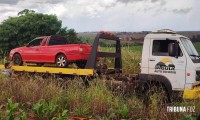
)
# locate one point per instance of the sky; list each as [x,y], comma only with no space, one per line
[113,15]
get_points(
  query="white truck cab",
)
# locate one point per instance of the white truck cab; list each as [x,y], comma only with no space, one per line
[171,59]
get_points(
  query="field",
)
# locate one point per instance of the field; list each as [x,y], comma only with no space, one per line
[197,46]
[51,98]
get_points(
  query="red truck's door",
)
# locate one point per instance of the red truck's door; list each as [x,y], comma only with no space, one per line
[52,46]
[46,52]
[31,53]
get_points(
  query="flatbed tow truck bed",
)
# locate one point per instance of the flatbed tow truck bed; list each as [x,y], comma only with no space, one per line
[52,70]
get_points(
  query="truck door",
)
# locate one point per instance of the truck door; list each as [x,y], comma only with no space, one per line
[31,52]
[160,63]
[54,45]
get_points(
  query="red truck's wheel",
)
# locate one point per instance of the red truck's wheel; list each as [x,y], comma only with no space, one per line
[17,59]
[61,61]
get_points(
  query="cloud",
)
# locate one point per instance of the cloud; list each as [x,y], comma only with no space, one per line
[153,1]
[146,6]
[48,1]
[114,15]
[12,2]
[182,11]
[162,2]
[54,1]
[7,9]
[130,1]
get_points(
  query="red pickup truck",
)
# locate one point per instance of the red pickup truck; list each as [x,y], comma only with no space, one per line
[50,49]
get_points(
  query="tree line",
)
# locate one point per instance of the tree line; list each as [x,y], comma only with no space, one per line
[195,38]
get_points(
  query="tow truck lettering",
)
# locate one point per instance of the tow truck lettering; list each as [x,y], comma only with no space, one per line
[165,66]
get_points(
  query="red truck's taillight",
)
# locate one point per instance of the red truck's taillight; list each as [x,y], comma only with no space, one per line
[81,49]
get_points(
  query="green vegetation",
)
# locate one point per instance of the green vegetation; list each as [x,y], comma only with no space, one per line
[131,57]
[197,46]
[34,96]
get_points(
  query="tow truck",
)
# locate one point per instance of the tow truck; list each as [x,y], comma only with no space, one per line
[169,62]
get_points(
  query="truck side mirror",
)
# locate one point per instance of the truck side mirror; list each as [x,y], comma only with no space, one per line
[173,49]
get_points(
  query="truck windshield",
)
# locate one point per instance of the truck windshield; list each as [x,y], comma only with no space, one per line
[190,50]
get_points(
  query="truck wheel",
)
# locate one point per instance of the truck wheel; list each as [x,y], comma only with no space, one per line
[17,59]
[61,61]
[156,95]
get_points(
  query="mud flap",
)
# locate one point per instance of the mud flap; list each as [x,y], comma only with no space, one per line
[192,94]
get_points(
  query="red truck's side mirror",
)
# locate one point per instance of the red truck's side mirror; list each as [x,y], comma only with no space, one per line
[27,45]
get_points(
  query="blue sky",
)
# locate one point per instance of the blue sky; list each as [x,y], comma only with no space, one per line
[113,15]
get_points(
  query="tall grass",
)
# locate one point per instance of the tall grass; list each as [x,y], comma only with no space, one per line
[27,88]
[36,97]
[131,57]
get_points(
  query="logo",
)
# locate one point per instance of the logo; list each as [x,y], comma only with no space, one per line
[165,66]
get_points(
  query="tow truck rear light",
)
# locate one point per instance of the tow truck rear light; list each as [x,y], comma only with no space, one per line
[188,74]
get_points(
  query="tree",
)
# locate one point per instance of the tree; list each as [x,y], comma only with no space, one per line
[16,31]
[26,11]
[193,38]
[70,34]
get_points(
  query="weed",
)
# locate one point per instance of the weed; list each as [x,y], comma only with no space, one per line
[187,117]
[24,116]
[124,112]
[62,116]
[11,109]
[38,108]
[81,110]
[44,109]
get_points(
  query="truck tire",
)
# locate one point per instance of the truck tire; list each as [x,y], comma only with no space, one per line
[156,94]
[61,61]
[17,59]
